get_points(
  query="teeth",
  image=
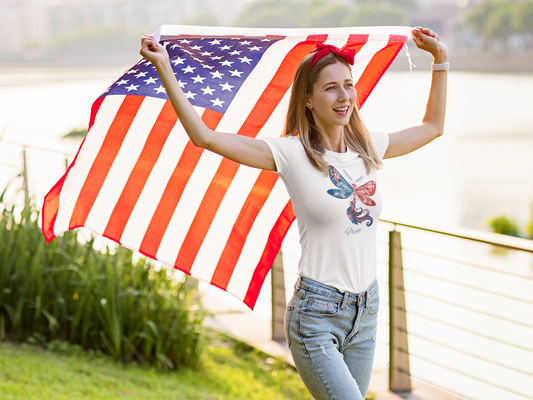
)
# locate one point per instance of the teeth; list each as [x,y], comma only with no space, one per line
[342,109]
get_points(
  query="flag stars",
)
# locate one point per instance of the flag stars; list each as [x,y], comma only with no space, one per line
[196,47]
[226,86]
[217,102]
[132,71]
[206,53]
[226,47]
[178,60]
[185,41]
[246,42]
[132,87]
[236,73]
[150,80]
[226,63]
[255,48]
[188,69]
[174,46]
[160,89]
[208,66]
[235,53]
[265,40]
[208,90]
[216,58]
[215,42]
[198,78]
[182,84]
[190,95]
[216,74]
[123,82]
[141,75]
[245,60]
[197,59]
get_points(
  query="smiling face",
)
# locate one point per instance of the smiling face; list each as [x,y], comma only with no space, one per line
[333,98]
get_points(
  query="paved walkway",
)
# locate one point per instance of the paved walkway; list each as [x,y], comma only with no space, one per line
[256,331]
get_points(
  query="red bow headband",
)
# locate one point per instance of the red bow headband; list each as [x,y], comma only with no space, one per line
[323,49]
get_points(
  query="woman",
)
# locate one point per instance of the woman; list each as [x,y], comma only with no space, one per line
[328,161]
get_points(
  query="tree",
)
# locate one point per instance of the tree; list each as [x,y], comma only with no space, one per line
[375,14]
[522,17]
[271,14]
[325,14]
[492,19]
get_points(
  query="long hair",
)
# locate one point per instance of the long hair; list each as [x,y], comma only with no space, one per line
[300,121]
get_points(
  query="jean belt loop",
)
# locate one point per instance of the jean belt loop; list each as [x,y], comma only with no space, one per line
[344,298]
[296,285]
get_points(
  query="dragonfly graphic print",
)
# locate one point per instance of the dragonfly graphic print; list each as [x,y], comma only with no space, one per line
[357,215]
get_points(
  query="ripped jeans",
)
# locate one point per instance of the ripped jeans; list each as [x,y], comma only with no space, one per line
[332,338]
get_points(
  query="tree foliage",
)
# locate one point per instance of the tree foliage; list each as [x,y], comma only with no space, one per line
[375,14]
[271,14]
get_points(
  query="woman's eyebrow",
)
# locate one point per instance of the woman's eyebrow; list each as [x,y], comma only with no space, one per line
[334,82]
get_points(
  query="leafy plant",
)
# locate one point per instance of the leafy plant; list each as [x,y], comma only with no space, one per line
[504,225]
[109,301]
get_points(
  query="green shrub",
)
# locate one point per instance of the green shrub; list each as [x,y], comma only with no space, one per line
[101,300]
[504,226]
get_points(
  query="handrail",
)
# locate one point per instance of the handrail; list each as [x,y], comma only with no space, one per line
[495,239]
[57,148]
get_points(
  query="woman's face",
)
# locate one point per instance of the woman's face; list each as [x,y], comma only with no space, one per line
[333,98]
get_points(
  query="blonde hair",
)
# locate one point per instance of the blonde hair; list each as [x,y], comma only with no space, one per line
[300,121]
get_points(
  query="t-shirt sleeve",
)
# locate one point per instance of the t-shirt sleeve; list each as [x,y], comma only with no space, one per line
[380,140]
[283,149]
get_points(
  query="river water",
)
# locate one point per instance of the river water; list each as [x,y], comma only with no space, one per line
[482,167]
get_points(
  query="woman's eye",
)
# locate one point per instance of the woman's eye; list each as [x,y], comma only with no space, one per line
[331,88]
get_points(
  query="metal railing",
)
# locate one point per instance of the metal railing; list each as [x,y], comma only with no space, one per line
[416,303]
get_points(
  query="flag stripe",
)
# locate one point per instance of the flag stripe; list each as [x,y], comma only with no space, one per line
[174,190]
[377,67]
[262,110]
[275,239]
[232,251]
[143,167]
[104,160]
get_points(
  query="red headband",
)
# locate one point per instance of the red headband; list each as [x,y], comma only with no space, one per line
[323,49]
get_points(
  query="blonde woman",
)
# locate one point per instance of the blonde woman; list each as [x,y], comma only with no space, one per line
[328,161]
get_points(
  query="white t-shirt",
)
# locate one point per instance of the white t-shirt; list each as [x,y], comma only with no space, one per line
[337,214]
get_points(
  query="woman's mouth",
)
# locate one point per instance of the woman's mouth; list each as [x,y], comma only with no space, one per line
[342,110]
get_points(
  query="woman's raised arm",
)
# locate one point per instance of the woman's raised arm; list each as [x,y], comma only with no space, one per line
[242,149]
[410,139]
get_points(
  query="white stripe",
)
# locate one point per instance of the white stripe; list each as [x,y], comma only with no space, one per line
[374,44]
[173,30]
[257,240]
[222,225]
[120,171]
[187,207]
[156,183]
[78,173]
[276,123]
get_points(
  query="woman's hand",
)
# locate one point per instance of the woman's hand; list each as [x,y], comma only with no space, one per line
[426,39]
[153,51]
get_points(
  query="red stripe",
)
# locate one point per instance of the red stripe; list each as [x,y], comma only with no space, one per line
[356,42]
[259,115]
[277,234]
[104,160]
[174,189]
[377,67]
[141,171]
[235,243]
[51,200]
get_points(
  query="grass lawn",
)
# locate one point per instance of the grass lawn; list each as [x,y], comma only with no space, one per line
[229,370]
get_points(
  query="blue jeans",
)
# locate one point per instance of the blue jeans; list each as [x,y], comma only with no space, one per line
[332,338]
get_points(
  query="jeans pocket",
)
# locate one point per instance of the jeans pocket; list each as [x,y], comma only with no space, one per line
[288,314]
[319,307]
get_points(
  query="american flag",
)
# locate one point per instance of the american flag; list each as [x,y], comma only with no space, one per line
[138,180]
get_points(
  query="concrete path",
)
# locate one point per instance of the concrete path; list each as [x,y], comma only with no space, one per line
[256,331]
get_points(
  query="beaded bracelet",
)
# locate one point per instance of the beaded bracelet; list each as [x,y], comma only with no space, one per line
[441,67]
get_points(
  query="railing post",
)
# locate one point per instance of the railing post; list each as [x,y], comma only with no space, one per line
[278,299]
[399,373]
[25,176]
